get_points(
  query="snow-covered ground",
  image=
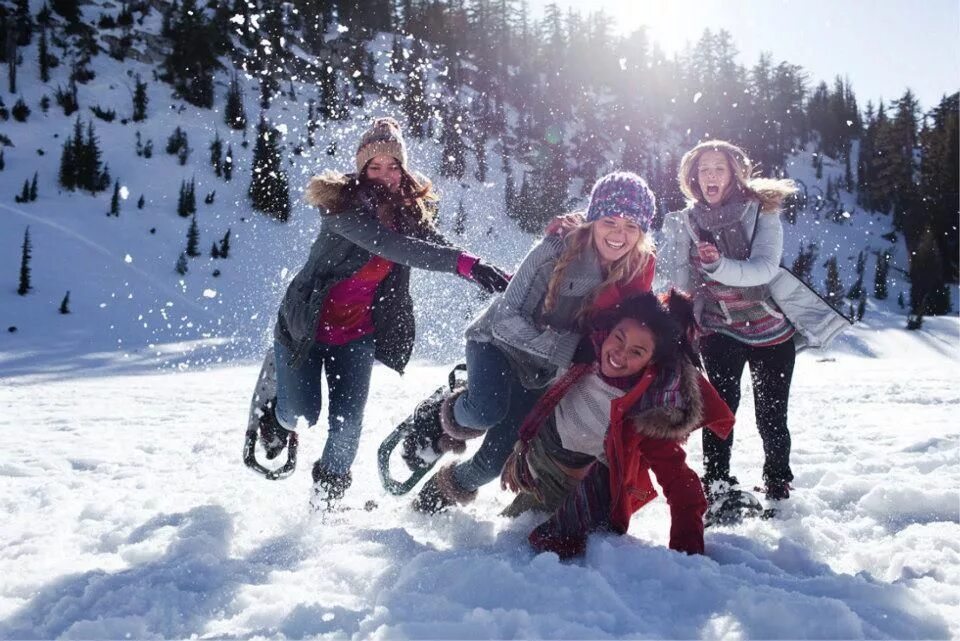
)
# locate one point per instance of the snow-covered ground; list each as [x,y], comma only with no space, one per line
[129,514]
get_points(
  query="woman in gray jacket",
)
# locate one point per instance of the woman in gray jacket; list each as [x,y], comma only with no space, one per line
[349,305]
[725,249]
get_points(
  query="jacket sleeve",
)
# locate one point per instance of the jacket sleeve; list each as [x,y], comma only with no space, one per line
[683,491]
[764,261]
[516,327]
[364,230]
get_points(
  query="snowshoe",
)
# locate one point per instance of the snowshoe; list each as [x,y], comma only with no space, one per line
[423,439]
[732,508]
[262,425]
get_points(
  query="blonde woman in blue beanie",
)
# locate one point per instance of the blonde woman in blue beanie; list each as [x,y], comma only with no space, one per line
[530,332]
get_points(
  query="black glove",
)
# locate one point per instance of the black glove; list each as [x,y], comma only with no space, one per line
[490,278]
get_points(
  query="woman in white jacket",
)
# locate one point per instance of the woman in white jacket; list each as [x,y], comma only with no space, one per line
[725,249]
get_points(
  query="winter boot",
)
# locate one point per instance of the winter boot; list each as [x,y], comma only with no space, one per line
[715,488]
[434,431]
[777,490]
[273,436]
[441,492]
[328,488]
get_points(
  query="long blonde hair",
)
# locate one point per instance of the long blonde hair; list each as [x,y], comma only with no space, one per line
[622,271]
[771,192]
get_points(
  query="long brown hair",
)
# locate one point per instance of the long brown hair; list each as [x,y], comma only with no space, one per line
[622,271]
[770,192]
[411,209]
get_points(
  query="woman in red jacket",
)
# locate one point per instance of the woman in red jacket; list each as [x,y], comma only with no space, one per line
[587,449]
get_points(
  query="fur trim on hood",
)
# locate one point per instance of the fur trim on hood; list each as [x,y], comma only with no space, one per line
[673,422]
[324,190]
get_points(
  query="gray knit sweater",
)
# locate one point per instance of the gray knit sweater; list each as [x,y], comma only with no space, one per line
[537,343]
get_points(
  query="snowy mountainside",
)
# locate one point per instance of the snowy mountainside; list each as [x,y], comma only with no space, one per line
[127,301]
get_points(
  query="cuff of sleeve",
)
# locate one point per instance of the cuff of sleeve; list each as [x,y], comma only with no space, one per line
[465,264]
[711,267]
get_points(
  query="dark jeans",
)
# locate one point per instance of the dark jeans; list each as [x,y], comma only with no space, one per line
[495,401]
[348,369]
[771,369]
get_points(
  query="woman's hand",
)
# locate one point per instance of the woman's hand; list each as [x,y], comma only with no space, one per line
[708,253]
[489,277]
[563,224]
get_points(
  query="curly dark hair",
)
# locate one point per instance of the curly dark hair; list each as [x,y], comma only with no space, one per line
[668,319]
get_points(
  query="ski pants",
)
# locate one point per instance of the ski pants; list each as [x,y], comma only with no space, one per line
[771,370]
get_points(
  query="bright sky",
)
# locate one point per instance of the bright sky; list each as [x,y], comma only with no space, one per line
[883,46]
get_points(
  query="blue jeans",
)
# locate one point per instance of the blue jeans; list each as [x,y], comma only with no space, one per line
[348,369]
[495,401]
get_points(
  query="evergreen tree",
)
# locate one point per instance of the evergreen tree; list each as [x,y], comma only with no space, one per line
[20,110]
[43,56]
[140,101]
[23,23]
[192,59]
[3,162]
[833,292]
[69,9]
[311,122]
[12,64]
[861,306]
[65,303]
[460,222]
[216,154]
[234,114]
[193,238]
[453,161]
[269,191]
[33,188]
[225,245]
[214,251]
[115,200]
[331,107]
[141,202]
[68,176]
[415,105]
[181,267]
[89,174]
[228,164]
[880,275]
[24,196]
[803,264]
[856,291]
[25,257]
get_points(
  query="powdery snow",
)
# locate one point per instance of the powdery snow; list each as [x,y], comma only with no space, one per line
[129,513]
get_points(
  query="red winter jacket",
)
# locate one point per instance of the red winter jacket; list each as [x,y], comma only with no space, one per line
[641,441]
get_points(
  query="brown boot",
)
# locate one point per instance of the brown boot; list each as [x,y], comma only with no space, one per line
[441,492]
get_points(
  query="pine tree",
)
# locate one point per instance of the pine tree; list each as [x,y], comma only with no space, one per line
[20,111]
[24,196]
[460,222]
[861,306]
[193,238]
[192,58]
[115,200]
[43,56]
[25,257]
[3,162]
[331,107]
[856,291]
[68,176]
[228,164]
[833,293]
[141,202]
[65,303]
[225,245]
[140,101]
[234,114]
[453,156]
[414,98]
[214,251]
[69,9]
[880,275]
[181,267]
[311,122]
[216,155]
[32,193]
[269,191]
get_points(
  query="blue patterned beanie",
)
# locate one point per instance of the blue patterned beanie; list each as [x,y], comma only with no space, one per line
[623,194]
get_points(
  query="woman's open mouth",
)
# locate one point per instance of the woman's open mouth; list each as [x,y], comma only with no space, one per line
[614,245]
[712,190]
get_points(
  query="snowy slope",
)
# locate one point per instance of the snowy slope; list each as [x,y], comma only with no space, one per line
[129,514]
